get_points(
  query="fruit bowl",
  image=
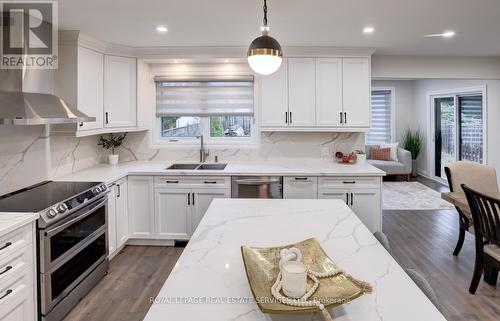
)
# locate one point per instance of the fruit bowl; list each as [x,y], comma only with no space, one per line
[350,158]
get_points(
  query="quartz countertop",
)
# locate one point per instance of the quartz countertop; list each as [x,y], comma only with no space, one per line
[211,266]
[110,173]
[12,221]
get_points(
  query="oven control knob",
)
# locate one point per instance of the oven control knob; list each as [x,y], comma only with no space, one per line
[51,213]
[61,208]
[96,191]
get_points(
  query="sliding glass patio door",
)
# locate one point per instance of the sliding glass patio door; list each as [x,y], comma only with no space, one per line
[458,130]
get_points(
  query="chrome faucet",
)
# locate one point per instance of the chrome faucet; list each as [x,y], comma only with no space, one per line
[203,153]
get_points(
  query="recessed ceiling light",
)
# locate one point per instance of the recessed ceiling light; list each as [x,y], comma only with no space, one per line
[446,34]
[369,30]
[162,29]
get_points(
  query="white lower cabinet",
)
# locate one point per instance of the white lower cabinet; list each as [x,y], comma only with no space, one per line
[362,195]
[201,201]
[17,275]
[141,207]
[172,213]
[300,187]
[122,219]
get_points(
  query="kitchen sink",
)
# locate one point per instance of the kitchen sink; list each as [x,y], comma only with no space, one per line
[183,166]
[212,166]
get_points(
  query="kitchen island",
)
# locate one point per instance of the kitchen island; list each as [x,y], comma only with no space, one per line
[209,281]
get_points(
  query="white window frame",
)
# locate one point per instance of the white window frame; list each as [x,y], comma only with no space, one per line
[252,142]
[431,95]
[393,110]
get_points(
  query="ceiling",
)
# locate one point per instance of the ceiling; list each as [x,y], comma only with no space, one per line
[400,24]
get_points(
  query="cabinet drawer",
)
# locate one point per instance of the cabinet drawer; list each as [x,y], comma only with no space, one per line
[16,262]
[192,181]
[15,240]
[300,187]
[350,182]
[17,297]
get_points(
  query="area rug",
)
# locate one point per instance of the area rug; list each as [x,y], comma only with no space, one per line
[412,196]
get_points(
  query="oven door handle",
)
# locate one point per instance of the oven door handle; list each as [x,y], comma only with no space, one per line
[256,181]
[59,228]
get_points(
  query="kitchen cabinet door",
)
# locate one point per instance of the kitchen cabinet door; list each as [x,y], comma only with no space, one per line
[202,199]
[112,221]
[90,87]
[328,92]
[173,213]
[120,91]
[141,207]
[274,102]
[334,193]
[356,92]
[302,92]
[300,187]
[365,203]
[122,219]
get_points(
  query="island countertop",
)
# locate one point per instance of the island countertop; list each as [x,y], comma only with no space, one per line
[211,267]
[110,173]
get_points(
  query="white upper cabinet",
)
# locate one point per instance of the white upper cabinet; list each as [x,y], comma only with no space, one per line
[328,92]
[90,87]
[301,92]
[120,91]
[274,104]
[356,92]
[318,94]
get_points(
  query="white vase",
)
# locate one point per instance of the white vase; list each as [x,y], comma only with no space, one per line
[113,159]
[361,158]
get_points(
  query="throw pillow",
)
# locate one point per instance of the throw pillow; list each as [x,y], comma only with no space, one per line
[383,154]
[394,150]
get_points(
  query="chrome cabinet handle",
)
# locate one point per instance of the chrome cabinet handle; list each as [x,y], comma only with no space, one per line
[256,181]
[6,246]
[9,291]
[6,269]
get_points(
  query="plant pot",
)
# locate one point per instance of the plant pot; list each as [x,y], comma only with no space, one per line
[113,159]
[414,168]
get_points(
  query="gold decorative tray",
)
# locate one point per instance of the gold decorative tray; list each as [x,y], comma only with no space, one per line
[261,265]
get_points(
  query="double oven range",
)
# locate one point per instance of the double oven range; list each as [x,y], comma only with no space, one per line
[72,240]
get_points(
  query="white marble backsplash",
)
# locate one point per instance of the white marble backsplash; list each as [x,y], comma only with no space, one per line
[29,155]
[272,146]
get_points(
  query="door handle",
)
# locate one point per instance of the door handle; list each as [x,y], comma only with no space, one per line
[210,182]
[9,291]
[6,269]
[301,178]
[107,117]
[286,117]
[192,195]
[290,117]
[349,182]
[345,117]
[172,182]
[119,191]
[340,114]
[189,198]
[347,198]
[352,198]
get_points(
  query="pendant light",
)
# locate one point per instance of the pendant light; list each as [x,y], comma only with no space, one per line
[264,54]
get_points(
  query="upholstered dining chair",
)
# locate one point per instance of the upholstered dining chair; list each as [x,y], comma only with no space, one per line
[485,212]
[483,178]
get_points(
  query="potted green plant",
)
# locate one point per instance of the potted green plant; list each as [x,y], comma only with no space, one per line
[412,141]
[112,142]
[361,155]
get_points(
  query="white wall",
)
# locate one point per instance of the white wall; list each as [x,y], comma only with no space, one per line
[422,113]
[403,95]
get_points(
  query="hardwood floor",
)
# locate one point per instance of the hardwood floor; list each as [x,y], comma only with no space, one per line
[135,274]
[425,240]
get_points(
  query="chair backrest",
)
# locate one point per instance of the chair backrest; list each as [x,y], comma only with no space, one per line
[382,238]
[482,178]
[425,286]
[485,212]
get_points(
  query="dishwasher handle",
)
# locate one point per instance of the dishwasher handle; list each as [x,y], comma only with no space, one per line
[256,181]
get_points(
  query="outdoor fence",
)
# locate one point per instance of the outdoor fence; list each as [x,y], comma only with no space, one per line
[472,141]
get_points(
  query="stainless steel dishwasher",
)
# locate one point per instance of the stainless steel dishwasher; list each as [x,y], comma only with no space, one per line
[257,187]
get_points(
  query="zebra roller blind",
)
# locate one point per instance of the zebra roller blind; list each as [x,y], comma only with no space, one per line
[380,132]
[205,97]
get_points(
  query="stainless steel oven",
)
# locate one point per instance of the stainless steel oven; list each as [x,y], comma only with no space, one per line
[73,253]
[257,187]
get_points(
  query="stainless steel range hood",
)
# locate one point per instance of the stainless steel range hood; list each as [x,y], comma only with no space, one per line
[20,105]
